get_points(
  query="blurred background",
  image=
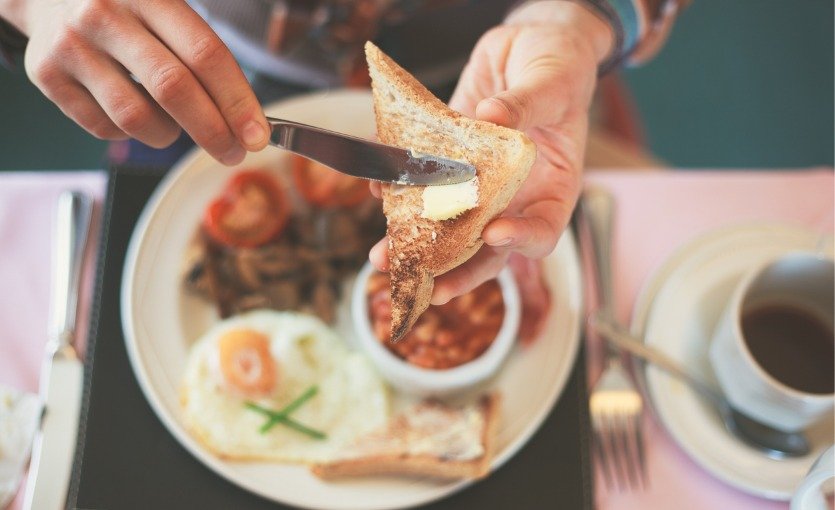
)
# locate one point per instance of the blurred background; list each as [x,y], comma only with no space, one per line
[742,83]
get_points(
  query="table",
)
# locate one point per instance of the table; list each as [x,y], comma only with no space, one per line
[658,211]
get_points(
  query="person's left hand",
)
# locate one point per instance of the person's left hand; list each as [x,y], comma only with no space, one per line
[535,73]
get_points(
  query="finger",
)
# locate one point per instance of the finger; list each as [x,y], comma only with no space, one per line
[480,75]
[192,40]
[174,88]
[541,85]
[130,109]
[536,298]
[466,96]
[379,255]
[484,265]
[534,234]
[538,99]
[76,102]
[376,189]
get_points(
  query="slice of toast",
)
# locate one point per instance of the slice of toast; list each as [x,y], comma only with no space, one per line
[428,439]
[409,116]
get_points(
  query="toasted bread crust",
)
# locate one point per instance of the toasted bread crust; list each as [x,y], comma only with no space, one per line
[409,116]
[399,463]
[403,465]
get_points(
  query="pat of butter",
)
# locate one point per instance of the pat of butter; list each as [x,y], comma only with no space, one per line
[417,154]
[448,201]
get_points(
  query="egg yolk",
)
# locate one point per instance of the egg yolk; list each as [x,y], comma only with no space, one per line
[246,363]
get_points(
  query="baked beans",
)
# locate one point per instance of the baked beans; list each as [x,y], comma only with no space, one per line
[444,336]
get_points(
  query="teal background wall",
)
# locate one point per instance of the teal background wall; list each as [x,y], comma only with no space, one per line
[34,134]
[741,83]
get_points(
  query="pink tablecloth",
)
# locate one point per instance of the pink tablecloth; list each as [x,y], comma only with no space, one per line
[657,212]
[27,213]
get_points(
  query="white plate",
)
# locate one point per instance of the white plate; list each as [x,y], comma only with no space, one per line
[161,321]
[676,312]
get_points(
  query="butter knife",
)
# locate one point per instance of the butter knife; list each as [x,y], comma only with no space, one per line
[62,370]
[366,159]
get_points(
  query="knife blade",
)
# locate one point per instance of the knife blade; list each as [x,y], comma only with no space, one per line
[61,371]
[366,159]
[54,446]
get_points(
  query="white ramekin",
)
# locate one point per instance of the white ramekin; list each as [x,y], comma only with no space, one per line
[426,382]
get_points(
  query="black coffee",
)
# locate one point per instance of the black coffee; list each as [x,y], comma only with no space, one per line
[792,345]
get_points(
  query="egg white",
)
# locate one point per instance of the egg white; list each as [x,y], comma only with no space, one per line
[352,399]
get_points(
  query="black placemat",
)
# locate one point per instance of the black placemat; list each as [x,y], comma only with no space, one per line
[126,459]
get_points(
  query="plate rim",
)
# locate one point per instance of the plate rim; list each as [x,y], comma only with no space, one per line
[642,311]
[174,427]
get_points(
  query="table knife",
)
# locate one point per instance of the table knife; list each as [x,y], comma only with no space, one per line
[366,159]
[62,370]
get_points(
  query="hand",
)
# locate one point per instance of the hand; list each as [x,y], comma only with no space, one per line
[88,55]
[535,73]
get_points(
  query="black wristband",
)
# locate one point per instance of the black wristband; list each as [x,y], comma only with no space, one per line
[12,44]
[608,14]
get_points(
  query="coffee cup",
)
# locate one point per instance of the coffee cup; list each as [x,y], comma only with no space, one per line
[773,349]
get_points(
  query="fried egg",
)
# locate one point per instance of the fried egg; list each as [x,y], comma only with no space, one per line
[271,358]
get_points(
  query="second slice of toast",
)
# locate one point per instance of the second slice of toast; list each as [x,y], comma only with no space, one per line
[428,439]
[409,116]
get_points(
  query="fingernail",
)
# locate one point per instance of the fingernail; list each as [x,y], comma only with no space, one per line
[253,133]
[381,263]
[233,157]
[502,242]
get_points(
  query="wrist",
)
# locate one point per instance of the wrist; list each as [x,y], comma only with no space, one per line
[574,15]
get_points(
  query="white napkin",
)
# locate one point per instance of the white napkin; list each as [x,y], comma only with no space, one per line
[19,417]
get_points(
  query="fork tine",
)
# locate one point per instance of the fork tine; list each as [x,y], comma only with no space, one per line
[598,449]
[635,442]
[627,456]
[616,408]
[639,443]
[615,451]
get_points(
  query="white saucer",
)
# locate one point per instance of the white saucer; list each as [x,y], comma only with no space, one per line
[676,312]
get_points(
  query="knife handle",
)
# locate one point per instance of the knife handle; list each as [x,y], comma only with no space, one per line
[72,226]
[598,209]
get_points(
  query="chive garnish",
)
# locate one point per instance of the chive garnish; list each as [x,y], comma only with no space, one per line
[282,416]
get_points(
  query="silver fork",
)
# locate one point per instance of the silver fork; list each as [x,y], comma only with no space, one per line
[615,405]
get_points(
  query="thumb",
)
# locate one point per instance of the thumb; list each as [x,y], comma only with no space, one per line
[539,97]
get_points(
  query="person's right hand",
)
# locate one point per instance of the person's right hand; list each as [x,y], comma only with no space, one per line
[142,69]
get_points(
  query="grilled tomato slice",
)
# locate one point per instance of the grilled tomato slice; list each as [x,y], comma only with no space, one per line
[251,211]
